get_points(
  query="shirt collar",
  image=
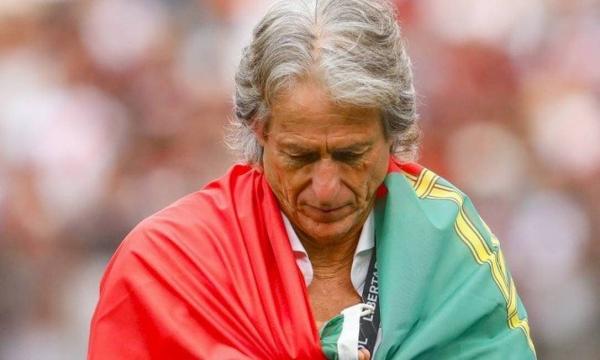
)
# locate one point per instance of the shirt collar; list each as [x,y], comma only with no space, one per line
[366,243]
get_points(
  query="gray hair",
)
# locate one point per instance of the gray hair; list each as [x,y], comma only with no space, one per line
[353,46]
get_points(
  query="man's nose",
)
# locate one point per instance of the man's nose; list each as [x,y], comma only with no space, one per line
[326,182]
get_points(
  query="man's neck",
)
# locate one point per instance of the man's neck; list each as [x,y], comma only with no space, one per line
[331,260]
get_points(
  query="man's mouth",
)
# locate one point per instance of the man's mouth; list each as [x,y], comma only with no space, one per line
[327,214]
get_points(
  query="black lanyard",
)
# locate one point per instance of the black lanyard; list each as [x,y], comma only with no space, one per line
[369,325]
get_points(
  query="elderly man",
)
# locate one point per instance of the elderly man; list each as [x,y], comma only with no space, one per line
[325,243]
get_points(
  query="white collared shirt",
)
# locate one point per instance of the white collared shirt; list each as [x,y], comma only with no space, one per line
[360,262]
[362,254]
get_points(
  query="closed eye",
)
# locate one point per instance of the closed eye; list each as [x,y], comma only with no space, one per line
[304,158]
[347,156]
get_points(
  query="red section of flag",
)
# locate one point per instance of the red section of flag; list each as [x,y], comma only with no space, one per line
[410,168]
[210,277]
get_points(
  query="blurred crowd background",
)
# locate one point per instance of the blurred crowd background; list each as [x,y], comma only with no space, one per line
[112,109]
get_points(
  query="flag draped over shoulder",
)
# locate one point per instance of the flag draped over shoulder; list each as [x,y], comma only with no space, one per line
[210,277]
[213,277]
[445,292]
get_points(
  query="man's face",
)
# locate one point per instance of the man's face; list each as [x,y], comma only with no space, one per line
[324,162]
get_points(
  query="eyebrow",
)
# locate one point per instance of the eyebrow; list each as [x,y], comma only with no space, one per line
[290,146]
[357,147]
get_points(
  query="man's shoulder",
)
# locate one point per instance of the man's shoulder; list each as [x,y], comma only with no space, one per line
[211,206]
[189,230]
[441,205]
[422,179]
[194,219]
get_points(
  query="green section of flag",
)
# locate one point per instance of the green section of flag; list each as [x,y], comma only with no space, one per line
[330,333]
[445,292]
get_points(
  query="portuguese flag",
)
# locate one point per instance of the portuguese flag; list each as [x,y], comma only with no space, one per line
[213,277]
[444,289]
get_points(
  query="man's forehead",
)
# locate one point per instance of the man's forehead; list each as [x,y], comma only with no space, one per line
[347,143]
[309,98]
[320,120]
[303,143]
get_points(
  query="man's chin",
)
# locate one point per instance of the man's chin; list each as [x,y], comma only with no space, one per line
[324,233]
[318,216]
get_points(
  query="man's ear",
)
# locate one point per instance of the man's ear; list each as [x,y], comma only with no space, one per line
[261,130]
